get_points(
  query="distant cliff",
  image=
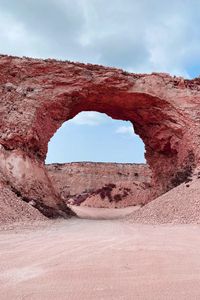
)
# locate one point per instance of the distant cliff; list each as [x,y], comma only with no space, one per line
[101,184]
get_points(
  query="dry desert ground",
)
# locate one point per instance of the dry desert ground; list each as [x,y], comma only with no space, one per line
[86,259]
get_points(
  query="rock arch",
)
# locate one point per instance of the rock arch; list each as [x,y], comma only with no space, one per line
[37,96]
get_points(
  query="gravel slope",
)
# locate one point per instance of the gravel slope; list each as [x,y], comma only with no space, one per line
[13,209]
[180,205]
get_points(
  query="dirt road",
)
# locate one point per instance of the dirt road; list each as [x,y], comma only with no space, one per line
[94,213]
[100,259]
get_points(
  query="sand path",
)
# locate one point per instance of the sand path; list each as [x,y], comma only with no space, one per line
[102,213]
[100,259]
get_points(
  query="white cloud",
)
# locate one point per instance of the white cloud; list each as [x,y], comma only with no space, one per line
[90,118]
[125,130]
[151,34]
[15,39]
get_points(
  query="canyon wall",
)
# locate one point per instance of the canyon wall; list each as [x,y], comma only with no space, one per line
[101,184]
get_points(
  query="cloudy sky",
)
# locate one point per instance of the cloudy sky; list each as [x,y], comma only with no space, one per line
[136,35]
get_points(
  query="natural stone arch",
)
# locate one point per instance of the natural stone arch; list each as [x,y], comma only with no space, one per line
[37,96]
[149,116]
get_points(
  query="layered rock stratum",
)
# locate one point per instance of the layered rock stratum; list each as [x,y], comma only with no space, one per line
[37,96]
[101,184]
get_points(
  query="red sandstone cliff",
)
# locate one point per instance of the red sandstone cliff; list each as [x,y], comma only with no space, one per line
[101,184]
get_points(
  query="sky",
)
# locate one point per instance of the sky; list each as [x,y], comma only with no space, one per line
[139,36]
[95,137]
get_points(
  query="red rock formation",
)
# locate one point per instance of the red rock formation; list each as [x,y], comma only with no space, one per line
[37,96]
[87,181]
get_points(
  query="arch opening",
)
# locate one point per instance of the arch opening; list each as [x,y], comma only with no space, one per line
[95,137]
[94,160]
[154,121]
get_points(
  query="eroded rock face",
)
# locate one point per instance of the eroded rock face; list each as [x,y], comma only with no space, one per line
[37,96]
[28,180]
[101,184]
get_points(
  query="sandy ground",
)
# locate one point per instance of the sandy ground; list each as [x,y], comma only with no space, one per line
[100,259]
[102,213]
